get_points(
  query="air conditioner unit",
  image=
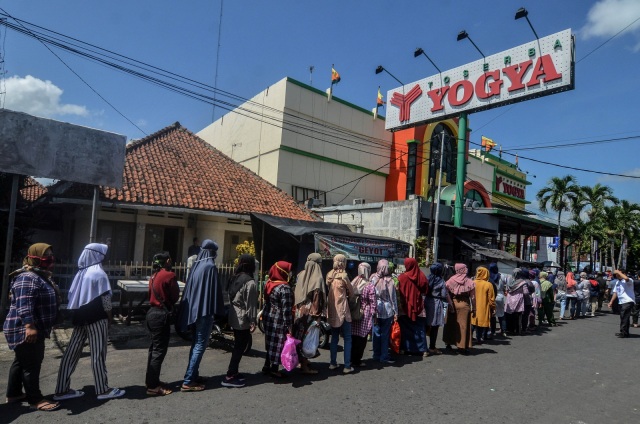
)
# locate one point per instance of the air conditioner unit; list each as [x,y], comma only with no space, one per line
[314,203]
[358,201]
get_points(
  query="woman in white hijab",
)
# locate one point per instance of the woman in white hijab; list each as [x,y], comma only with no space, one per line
[90,304]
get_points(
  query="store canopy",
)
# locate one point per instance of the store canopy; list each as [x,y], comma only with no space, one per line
[292,240]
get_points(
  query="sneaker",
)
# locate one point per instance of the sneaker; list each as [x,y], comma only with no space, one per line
[232,381]
[347,370]
[621,335]
[333,367]
[388,362]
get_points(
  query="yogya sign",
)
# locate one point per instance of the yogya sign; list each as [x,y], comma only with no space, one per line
[359,249]
[510,187]
[535,69]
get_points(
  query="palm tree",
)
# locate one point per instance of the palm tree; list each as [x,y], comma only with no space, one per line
[559,195]
[623,220]
[591,201]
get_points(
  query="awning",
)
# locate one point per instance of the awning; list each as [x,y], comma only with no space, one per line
[499,255]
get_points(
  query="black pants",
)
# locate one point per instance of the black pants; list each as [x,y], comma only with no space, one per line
[358,345]
[25,371]
[241,340]
[160,329]
[433,336]
[525,317]
[625,314]
[514,320]
[494,324]
[635,313]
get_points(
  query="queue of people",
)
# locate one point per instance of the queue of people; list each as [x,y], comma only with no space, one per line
[370,305]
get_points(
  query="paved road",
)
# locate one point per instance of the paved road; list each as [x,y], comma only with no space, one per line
[575,373]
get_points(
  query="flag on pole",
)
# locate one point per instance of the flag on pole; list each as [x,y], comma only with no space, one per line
[335,76]
[488,144]
[380,101]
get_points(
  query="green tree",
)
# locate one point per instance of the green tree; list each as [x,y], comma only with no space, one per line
[559,195]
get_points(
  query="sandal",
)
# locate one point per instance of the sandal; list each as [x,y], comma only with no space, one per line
[159,391]
[308,371]
[45,405]
[16,399]
[192,387]
[276,374]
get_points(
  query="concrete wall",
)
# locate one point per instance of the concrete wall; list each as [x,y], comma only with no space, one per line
[397,220]
[300,139]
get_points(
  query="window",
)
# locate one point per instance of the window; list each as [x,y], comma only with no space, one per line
[449,157]
[162,239]
[120,236]
[302,194]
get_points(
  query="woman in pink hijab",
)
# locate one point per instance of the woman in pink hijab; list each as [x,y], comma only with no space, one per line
[462,291]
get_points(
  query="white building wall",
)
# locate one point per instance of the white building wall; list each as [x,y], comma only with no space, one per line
[325,144]
[482,172]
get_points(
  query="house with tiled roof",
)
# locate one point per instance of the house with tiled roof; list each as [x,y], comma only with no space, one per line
[175,187]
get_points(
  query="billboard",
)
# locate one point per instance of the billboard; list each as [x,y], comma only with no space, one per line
[46,148]
[535,69]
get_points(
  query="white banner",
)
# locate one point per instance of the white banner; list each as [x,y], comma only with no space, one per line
[538,68]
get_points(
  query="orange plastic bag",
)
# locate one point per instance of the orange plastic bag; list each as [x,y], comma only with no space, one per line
[395,337]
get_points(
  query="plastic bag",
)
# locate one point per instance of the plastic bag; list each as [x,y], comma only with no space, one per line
[311,341]
[289,356]
[395,337]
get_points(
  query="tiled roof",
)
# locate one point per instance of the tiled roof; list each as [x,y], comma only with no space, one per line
[175,168]
[31,190]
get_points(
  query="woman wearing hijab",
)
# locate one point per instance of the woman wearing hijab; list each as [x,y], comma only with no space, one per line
[311,301]
[163,295]
[278,316]
[32,314]
[514,306]
[494,279]
[339,314]
[90,305]
[412,286]
[243,311]
[572,296]
[561,292]
[201,301]
[458,327]
[386,311]
[485,304]
[548,302]
[361,328]
[437,296]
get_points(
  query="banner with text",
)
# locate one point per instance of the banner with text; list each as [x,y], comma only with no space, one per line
[359,249]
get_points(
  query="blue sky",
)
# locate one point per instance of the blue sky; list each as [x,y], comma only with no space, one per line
[263,41]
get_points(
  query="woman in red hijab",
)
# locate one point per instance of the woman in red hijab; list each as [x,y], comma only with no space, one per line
[277,315]
[413,286]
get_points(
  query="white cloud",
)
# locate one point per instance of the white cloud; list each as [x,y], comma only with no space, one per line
[38,97]
[613,178]
[607,17]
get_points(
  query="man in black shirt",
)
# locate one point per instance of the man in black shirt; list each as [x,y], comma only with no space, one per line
[195,248]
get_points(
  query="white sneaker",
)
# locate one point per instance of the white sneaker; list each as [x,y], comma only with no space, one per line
[333,367]
[111,394]
[347,370]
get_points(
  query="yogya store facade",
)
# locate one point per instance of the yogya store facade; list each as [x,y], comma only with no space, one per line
[482,196]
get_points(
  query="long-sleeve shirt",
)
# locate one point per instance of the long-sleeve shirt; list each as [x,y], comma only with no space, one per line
[33,301]
[244,305]
[165,284]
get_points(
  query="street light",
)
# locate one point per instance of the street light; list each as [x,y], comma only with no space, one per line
[419,52]
[380,69]
[463,34]
[522,13]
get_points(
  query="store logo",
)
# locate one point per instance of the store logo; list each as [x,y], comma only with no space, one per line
[509,189]
[404,101]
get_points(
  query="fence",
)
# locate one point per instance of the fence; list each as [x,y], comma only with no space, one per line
[63,275]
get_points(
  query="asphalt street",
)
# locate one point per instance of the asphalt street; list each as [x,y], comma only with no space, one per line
[577,372]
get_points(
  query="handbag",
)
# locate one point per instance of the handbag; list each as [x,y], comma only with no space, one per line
[289,355]
[311,341]
[355,307]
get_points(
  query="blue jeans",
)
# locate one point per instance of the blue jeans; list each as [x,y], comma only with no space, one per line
[381,334]
[563,304]
[199,343]
[481,333]
[572,306]
[346,335]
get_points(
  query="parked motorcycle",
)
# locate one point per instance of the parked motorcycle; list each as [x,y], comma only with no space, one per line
[325,330]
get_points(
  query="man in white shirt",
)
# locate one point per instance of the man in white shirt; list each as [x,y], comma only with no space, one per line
[623,291]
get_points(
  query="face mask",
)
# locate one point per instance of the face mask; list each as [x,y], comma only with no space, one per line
[45,262]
